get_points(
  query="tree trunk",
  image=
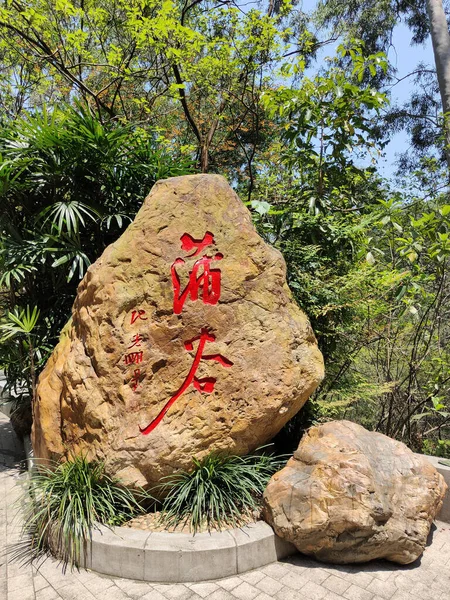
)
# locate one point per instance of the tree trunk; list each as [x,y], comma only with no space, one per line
[204,158]
[441,48]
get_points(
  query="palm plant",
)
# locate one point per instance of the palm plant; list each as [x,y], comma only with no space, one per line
[19,325]
[69,185]
[219,490]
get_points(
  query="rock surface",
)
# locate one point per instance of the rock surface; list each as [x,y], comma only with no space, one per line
[349,496]
[184,339]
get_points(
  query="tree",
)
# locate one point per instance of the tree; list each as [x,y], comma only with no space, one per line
[68,187]
[374,23]
[441,48]
[139,59]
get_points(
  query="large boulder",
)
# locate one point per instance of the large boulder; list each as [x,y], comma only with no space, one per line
[349,496]
[184,339]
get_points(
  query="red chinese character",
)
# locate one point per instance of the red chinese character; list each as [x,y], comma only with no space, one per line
[204,384]
[204,281]
[188,243]
[137,314]
[136,340]
[206,284]
[134,357]
[135,380]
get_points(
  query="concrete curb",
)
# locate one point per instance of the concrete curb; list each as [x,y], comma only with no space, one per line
[29,454]
[444,515]
[180,557]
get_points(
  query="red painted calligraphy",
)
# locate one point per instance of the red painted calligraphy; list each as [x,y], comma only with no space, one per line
[204,280]
[137,314]
[188,243]
[206,284]
[135,380]
[136,341]
[134,357]
[204,384]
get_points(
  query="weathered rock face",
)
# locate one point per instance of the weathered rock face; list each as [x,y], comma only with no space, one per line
[350,496]
[184,339]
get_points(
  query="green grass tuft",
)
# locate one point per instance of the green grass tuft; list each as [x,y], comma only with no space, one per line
[219,491]
[64,504]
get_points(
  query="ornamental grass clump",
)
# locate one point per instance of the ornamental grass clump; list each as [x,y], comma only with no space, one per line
[64,504]
[220,490]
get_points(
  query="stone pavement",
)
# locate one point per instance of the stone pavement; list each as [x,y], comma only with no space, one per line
[296,578]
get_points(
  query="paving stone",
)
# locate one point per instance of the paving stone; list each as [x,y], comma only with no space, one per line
[252,577]
[245,591]
[204,589]
[298,561]
[16,570]
[47,593]
[295,582]
[361,578]
[133,589]
[275,570]
[316,574]
[97,586]
[75,592]
[39,582]
[401,595]
[153,595]
[402,580]
[20,581]
[354,592]
[287,594]
[269,586]
[382,588]
[382,573]
[336,584]
[25,593]
[333,596]
[424,592]
[229,583]
[54,575]
[218,595]
[263,596]
[174,592]
[313,591]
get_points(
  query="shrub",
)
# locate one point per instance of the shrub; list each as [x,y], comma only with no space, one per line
[64,504]
[69,186]
[439,448]
[219,490]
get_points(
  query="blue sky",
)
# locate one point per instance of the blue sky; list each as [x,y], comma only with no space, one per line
[405,58]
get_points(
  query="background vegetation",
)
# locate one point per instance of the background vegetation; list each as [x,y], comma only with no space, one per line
[98,100]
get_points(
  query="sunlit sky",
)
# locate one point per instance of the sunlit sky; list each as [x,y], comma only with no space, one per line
[404,57]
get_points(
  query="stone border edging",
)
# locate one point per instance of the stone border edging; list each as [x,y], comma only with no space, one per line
[444,515]
[180,557]
[29,454]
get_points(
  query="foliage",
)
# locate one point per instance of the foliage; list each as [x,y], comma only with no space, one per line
[69,185]
[219,490]
[437,448]
[317,199]
[63,505]
[150,88]
[133,60]
[368,265]
[375,23]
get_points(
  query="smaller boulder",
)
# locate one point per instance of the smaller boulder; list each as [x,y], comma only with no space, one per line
[349,496]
